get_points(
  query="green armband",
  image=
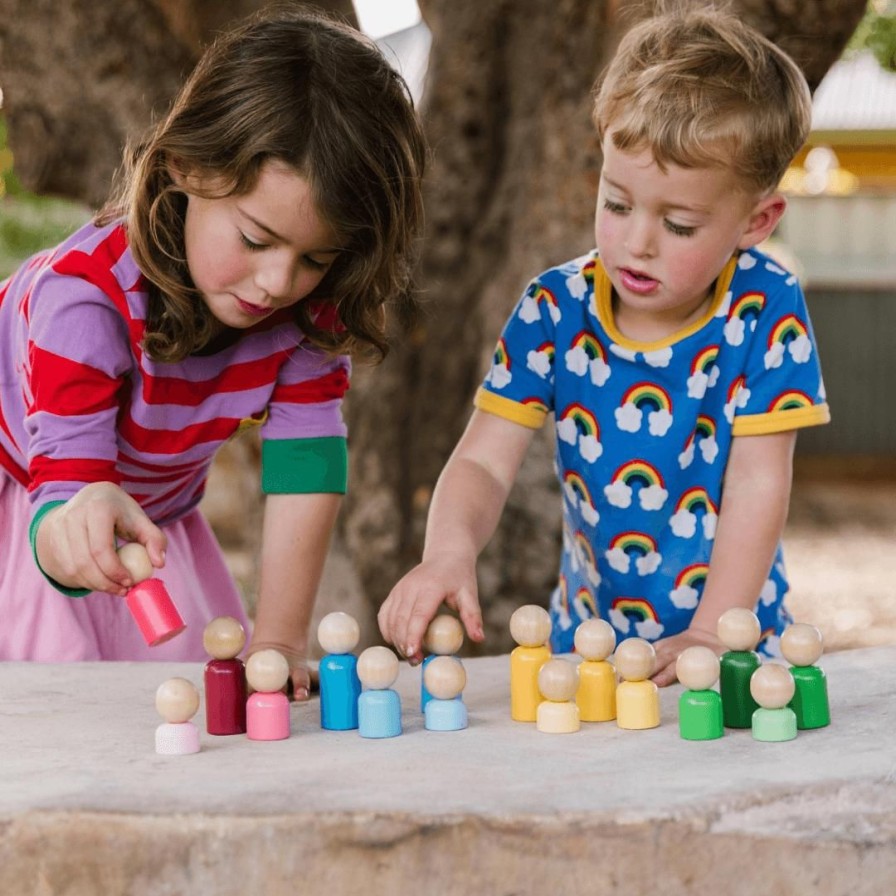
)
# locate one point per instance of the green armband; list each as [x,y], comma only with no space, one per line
[32,537]
[304,466]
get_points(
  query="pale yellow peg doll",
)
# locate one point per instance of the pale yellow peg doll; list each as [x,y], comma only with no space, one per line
[772,688]
[177,701]
[444,637]
[595,640]
[558,713]
[637,697]
[530,627]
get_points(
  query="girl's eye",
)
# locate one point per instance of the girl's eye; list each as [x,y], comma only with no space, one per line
[251,245]
[614,207]
[315,265]
[679,229]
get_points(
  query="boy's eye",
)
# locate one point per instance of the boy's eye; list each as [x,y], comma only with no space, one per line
[615,207]
[251,244]
[679,229]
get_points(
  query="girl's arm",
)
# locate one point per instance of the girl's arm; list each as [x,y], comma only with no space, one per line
[295,538]
[755,500]
[466,506]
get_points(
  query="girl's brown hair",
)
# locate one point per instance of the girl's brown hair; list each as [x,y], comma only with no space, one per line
[293,86]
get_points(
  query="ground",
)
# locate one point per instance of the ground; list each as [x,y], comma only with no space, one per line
[838,547]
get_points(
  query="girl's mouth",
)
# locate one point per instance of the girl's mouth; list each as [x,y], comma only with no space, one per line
[253,310]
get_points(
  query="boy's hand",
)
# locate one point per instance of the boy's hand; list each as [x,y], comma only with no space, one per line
[76,541]
[414,601]
[668,649]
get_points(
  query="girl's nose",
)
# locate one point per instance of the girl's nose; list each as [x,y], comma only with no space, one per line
[275,278]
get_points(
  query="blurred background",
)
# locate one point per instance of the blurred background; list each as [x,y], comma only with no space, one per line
[504,92]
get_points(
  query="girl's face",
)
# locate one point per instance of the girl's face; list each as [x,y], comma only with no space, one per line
[664,236]
[250,255]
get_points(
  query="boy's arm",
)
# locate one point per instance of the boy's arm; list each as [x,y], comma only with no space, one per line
[466,506]
[295,539]
[755,501]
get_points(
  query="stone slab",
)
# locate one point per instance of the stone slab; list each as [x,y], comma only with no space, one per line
[87,807]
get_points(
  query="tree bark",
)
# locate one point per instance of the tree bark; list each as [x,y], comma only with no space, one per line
[81,77]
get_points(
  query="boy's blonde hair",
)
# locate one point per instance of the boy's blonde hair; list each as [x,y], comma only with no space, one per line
[699,88]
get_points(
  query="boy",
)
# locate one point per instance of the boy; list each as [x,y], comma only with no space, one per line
[677,359]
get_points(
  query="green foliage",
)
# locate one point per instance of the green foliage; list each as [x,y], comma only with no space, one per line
[877,33]
[28,222]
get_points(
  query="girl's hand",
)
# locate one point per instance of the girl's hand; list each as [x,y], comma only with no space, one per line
[668,649]
[76,541]
[302,681]
[413,602]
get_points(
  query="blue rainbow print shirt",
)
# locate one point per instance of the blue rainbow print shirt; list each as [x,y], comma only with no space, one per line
[643,433]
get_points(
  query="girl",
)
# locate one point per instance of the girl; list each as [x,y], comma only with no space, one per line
[256,236]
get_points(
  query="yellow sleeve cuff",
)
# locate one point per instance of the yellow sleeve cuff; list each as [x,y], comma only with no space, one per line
[781,421]
[529,415]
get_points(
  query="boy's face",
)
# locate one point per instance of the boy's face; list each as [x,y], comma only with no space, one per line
[664,237]
[252,254]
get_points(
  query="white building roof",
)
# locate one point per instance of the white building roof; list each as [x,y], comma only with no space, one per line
[856,94]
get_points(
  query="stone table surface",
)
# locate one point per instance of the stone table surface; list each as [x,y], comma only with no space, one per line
[88,807]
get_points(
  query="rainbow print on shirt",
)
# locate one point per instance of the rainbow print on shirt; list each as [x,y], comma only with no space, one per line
[576,425]
[627,613]
[791,336]
[637,476]
[633,545]
[586,355]
[694,503]
[689,586]
[645,399]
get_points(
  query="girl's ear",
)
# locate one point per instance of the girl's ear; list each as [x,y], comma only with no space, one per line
[763,220]
[177,173]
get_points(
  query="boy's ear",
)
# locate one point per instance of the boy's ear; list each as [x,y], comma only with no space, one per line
[763,220]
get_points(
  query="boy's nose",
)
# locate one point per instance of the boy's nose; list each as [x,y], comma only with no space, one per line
[640,238]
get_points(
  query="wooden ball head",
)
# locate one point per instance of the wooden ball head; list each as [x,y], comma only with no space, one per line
[772,686]
[635,659]
[177,700]
[338,633]
[444,677]
[224,637]
[135,560]
[377,668]
[530,626]
[802,644]
[557,680]
[697,668]
[739,629]
[444,636]
[595,639]
[267,671]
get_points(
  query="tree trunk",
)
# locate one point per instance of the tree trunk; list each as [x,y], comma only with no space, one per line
[81,77]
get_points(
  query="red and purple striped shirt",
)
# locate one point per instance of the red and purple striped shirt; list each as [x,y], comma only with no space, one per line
[81,402]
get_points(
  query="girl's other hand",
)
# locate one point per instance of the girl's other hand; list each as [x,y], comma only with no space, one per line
[414,601]
[76,541]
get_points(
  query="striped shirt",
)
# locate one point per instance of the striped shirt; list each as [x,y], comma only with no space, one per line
[81,402]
